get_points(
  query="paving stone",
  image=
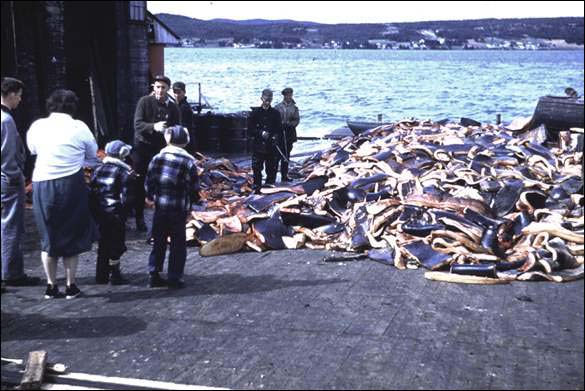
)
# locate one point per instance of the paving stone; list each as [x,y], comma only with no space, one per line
[286,320]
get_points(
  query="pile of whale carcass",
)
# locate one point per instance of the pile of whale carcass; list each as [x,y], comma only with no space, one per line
[475,204]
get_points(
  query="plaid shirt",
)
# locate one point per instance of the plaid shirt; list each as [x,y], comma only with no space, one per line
[112,182]
[172,181]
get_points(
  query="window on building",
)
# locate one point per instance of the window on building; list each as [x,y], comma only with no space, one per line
[137,10]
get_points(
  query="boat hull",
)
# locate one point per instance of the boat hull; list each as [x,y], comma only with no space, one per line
[558,113]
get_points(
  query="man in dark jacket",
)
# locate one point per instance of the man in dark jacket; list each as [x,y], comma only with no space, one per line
[154,113]
[179,91]
[265,127]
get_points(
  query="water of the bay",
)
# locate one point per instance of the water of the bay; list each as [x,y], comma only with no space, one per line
[332,86]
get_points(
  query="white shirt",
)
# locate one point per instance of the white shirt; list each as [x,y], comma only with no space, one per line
[62,145]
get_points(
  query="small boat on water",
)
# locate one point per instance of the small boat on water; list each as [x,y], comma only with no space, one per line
[358,127]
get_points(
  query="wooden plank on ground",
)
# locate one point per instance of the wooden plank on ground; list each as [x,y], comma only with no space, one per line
[34,370]
[463,279]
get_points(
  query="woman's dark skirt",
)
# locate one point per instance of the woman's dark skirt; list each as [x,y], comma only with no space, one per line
[62,214]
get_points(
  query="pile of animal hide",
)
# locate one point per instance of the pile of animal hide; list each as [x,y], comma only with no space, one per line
[473,203]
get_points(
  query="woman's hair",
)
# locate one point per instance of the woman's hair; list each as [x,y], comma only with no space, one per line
[62,101]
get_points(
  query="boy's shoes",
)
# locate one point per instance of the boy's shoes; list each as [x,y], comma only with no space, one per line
[285,178]
[176,284]
[116,277]
[23,281]
[72,291]
[52,292]
[156,281]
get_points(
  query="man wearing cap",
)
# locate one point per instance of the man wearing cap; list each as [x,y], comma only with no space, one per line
[172,184]
[179,91]
[265,126]
[153,114]
[289,114]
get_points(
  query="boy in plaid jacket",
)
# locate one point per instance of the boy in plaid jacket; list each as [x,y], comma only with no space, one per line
[111,195]
[173,185]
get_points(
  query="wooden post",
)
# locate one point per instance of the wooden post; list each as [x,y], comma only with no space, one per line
[199,105]
[498,119]
[93,108]
[565,140]
[34,371]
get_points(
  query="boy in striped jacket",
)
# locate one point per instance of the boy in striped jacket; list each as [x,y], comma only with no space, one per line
[111,194]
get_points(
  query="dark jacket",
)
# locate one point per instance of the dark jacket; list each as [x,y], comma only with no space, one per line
[148,111]
[186,113]
[187,122]
[265,120]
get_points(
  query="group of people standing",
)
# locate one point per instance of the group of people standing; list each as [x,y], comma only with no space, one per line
[161,172]
[66,209]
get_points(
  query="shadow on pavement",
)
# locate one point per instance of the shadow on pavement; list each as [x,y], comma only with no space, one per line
[27,327]
[216,284]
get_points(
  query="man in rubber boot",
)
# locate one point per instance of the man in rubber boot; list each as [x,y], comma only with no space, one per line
[289,113]
[265,126]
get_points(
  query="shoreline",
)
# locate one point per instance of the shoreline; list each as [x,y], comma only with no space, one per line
[582,48]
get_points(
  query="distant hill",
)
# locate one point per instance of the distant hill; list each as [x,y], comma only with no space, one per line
[261,21]
[507,33]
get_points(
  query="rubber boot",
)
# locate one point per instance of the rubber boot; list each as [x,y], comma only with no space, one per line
[140,224]
[102,271]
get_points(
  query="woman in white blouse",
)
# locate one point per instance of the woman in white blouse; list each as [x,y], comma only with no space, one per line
[60,196]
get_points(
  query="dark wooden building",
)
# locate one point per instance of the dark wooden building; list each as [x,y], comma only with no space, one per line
[99,49]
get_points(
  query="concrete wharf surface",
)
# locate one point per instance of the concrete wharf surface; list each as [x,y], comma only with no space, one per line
[286,320]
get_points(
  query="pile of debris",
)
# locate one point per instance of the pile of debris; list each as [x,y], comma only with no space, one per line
[471,200]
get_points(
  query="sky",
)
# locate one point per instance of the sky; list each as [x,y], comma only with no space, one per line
[367,11]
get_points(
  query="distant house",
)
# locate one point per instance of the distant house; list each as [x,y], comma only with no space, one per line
[99,49]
